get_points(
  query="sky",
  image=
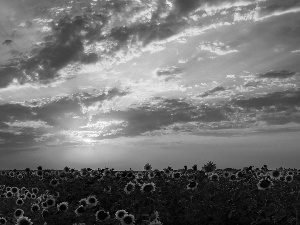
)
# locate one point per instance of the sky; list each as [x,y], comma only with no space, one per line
[119,84]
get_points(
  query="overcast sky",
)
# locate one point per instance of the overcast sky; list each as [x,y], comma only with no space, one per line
[122,83]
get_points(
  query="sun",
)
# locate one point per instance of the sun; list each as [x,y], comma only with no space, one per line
[88,140]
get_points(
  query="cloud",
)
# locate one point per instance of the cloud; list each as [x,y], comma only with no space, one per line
[184,7]
[163,113]
[28,124]
[288,98]
[269,9]
[212,91]
[217,48]
[169,73]
[283,74]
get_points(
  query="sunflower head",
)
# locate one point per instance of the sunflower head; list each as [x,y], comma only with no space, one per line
[18,213]
[92,200]
[209,167]
[127,220]
[63,206]
[120,214]
[147,167]
[101,215]
[24,221]
[148,187]
[35,208]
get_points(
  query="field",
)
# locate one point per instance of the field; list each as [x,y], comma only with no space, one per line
[184,196]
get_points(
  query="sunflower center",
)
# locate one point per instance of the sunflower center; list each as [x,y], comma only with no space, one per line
[127,220]
[101,215]
[24,222]
[121,214]
[192,184]
[129,187]
[265,183]
[63,207]
[148,188]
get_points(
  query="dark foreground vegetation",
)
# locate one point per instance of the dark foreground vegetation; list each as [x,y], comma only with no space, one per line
[186,196]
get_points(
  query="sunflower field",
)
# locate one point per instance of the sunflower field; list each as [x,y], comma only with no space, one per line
[150,197]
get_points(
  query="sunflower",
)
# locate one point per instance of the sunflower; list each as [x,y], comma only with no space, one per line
[80,210]
[275,174]
[151,175]
[3,221]
[129,188]
[148,187]
[24,221]
[11,174]
[120,214]
[176,175]
[39,173]
[167,172]
[264,184]
[23,189]
[19,201]
[62,175]
[84,172]
[9,194]
[67,169]
[83,202]
[15,190]
[139,175]
[28,195]
[191,177]
[239,174]
[35,207]
[44,205]
[62,207]
[8,189]
[54,182]
[101,215]
[107,189]
[232,177]
[18,213]
[147,167]
[20,177]
[50,201]
[155,222]
[154,216]
[92,201]
[45,213]
[209,167]
[214,177]
[192,185]
[226,174]
[3,173]
[35,190]
[33,196]
[288,178]
[56,194]
[127,219]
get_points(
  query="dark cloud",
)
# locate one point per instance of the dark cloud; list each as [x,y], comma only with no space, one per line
[277,5]
[186,6]
[173,70]
[170,111]
[281,119]
[289,98]
[13,112]
[212,91]
[277,74]
[89,99]
[252,83]
[62,47]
